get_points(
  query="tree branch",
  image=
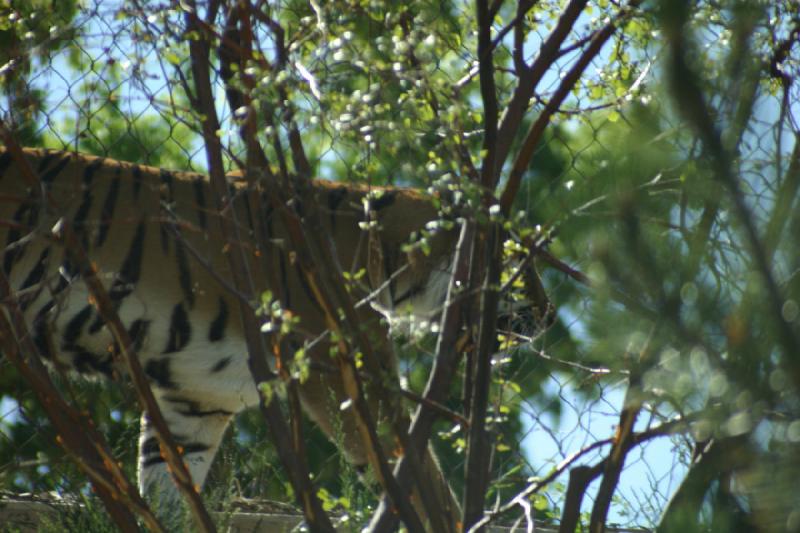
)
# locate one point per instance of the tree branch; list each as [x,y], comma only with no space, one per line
[479,445]
[108,313]
[74,432]
[444,366]
[784,199]
[311,242]
[692,104]
[580,478]
[488,94]
[280,433]
[614,463]
[530,77]
[718,457]
[534,136]
[523,6]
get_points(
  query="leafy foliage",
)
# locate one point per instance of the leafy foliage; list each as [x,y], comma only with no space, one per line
[667,174]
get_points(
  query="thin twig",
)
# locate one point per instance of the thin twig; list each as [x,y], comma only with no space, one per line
[535,133]
[74,432]
[280,433]
[530,77]
[692,103]
[536,486]
[447,352]
[106,310]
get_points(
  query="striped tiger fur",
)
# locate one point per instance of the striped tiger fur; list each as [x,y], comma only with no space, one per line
[183,322]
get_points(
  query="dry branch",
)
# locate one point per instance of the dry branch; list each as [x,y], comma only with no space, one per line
[479,445]
[280,433]
[568,81]
[74,431]
[444,366]
[327,287]
[106,310]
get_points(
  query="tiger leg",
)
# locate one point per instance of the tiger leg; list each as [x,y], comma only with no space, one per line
[197,429]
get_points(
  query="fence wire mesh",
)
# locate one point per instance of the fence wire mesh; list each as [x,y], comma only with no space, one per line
[109,79]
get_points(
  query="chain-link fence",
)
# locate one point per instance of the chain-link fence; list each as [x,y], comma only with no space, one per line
[645,160]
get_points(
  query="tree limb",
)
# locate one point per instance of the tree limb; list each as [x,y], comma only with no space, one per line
[306,496]
[444,366]
[478,444]
[719,456]
[692,104]
[106,310]
[535,133]
[530,77]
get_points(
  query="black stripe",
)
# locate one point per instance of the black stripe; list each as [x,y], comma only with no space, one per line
[26,215]
[158,370]
[83,211]
[86,203]
[154,460]
[136,173]
[191,408]
[97,325]
[78,221]
[40,339]
[91,169]
[70,269]
[41,330]
[47,177]
[138,333]
[217,329]
[385,200]
[200,199]
[267,215]
[107,212]
[131,269]
[242,198]
[13,254]
[47,158]
[194,447]
[180,331]
[284,281]
[193,412]
[34,277]
[299,208]
[72,331]
[63,282]
[164,237]
[86,362]
[168,179]
[222,364]
[150,446]
[184,273]
[335,197]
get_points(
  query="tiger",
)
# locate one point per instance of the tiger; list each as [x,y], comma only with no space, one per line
[165,285]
